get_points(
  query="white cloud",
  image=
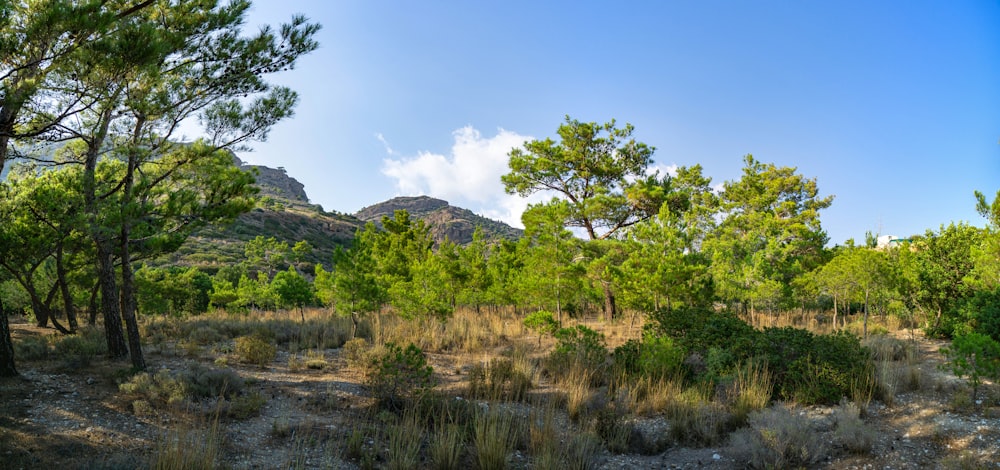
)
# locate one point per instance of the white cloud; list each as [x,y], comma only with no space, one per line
[662,169]
[469,174]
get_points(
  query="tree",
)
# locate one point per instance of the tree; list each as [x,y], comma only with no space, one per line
[159,68]
[593,168]
[352,286]
[37,39]
[293,290]
[942,261]
[266,254]
[770,234]
[553,272]
[664,262]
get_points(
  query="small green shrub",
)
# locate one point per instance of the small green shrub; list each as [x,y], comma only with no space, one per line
[579,346]
[32,348]
[246,406]
[82,345]
[400,375]
[541,322]
[973,355]
[255,350]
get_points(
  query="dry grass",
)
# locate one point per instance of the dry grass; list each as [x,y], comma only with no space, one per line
[188,449]
[852,432]
[753,386]
[494,437]
[576,385]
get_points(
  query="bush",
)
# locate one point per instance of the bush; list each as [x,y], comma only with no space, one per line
[851,431]
[204,382]
[32,348]
[697,330]
[400,375]
[975,356]
[579,346]
[813,369]
[255,350]
[205,335]
[779,438]
[161,388]
[541,322]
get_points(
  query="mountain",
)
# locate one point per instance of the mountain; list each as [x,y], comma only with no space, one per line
[284,212]
[445,220]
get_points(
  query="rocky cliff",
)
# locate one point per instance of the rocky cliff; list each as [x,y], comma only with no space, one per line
[455,223]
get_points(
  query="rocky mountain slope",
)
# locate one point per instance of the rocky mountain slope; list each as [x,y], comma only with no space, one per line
[284,212]
[455,223]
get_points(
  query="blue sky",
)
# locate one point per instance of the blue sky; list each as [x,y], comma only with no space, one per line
[893,106]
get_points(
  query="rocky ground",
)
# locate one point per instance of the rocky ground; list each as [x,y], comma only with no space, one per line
[59,415]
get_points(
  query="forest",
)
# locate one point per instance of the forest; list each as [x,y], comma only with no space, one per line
[631,293]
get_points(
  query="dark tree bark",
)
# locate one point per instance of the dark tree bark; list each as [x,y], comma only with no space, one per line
[7,366]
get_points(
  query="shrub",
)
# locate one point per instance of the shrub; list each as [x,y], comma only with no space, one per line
[541,322]
[813,369]
[356,353]
[851,431]
[656,357]
[400,375]
[697,330]
[779,438]
[84,345]
[581,346]
[204,382]
[255,350]
[161,388]
[246,406]
[975,356]
[32,348]
[205,335]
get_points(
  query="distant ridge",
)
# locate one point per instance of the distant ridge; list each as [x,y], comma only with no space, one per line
[455,223]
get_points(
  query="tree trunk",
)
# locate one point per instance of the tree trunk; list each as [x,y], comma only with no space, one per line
[64,291]
[110,306]
[93,305]
[610,307]
[864,328]
[7,366]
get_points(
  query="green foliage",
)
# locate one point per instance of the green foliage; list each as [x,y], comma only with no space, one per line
[975,356]
[701,330]
[293,290]
[655,357]
[771,234]
[172,291]
[400,376]
[580,346]
[255,350]
[813,368]
[805,367]
[541,322]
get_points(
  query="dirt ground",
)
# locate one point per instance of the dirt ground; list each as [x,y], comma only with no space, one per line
[59,415]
